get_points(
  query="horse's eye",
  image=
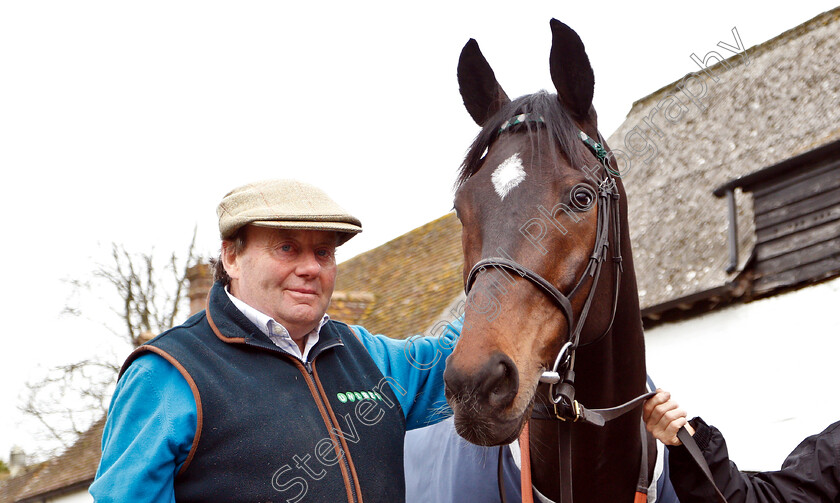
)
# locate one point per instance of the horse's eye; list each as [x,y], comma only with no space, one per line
[582,197]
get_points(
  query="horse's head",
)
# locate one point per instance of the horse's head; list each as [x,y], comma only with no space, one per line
[525,198]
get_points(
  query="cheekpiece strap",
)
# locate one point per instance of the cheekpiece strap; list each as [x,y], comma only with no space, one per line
[597,148]
[519,119]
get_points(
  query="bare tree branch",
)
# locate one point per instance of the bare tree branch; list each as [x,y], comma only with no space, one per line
[148,299]
[68,400]
[181,284]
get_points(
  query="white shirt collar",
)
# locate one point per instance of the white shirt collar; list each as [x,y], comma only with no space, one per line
[278,334]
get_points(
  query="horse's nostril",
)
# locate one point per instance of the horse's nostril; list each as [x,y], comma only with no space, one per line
[502,371]
[502,381]
[493,385]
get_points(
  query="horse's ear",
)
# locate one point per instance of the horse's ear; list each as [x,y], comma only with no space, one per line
[570,70]
[482,94]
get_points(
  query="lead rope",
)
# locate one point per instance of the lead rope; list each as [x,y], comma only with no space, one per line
[642,481]
[525,449]
[527,488]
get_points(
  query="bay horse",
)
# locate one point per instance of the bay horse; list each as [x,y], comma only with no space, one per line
[552,325]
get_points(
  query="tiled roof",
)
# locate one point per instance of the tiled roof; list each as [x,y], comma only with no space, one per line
[12,486]
[412,278]
[785,102]
[75,467]
[350,307]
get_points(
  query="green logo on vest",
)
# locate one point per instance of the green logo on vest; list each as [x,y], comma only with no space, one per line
[352,396]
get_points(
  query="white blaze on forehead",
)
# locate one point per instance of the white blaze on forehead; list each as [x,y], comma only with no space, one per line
[508,175]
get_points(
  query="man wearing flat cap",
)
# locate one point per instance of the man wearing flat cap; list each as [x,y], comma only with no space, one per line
[261,396]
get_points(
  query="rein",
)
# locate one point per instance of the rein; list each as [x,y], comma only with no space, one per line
[561,377]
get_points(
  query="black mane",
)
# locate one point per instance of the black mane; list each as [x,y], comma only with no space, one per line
[558,123]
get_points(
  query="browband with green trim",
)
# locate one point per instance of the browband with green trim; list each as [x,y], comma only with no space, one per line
[598,149]
[519,119]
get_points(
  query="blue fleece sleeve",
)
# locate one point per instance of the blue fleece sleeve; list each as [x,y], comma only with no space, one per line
[148,434]
[414,369]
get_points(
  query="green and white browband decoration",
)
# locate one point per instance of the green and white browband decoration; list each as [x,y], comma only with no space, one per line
[519,119]
[598,149]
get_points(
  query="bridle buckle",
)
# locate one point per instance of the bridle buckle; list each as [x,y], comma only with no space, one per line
[576,408]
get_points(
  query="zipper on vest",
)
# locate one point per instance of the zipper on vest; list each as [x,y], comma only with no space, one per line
[334,427]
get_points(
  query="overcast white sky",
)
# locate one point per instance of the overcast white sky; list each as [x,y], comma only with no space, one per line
[127,122]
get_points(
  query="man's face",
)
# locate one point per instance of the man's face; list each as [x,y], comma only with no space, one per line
[287,274]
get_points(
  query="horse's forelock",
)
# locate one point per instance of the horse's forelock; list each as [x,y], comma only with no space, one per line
[558,123]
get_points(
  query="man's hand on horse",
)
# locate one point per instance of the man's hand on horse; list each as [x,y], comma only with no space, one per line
[664,418]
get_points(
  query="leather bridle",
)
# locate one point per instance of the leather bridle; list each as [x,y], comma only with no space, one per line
[561,377]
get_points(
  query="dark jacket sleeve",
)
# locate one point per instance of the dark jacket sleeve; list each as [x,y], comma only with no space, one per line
[811,473]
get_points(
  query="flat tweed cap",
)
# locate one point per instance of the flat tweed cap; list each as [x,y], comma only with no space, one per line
[284,204]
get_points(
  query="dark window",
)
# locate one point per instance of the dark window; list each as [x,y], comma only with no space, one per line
[797,219]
